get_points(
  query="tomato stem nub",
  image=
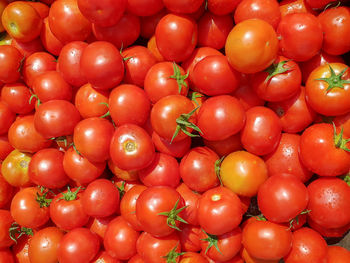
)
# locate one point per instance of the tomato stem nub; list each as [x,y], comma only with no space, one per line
[69,195]
[335,81]
[217,168]
[212,240]
[275,69]
[173,255]
[180,79]
[173,216]
[15,231]
[339,141]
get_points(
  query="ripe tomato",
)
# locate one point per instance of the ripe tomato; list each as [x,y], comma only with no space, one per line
[48,39]
[176,37]
[6,255]
[131,147]
[28,48]
[222,7]
[6,221]
[11,60]
[5,147]
[192,257]
[159,210]
[190,238]
[343,121]
[144,8]
[6,191]
[120,239]
[337,254]
[243,173]
[191,198]
[7,117]
[251,46]
[44,244]
[175,149]
[219,204]
[226,146]
[17,97]
[104,257]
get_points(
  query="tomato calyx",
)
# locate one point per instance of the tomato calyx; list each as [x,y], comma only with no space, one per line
[121,190]
[41,198]
[217,168]
[180,79]
[21,63]
[107,113]
[275,69]
[347,179]
[173,216]
[16,231]
[173,255]
[212,240]
[335,81]
[69,195]
[333,5]
[183,124]
[194,96]
[38,101]
[339,141]
[296,219]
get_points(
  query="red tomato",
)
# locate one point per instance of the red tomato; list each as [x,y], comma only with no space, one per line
[6,255]
[102,65]
[307,246]
[190,238]
[343,121]
[318,4]
[176,37]
[78,245]
[295,6]
[175,149]
[337,254]
[66,12]
[28,48]
[6,191]
[192,257]
[219,204]
[6,222]
[17,97]
[5,147]
[7,117]
[251,46]
[49,40]
[98,225]
[149,23]
[131,147]
[183,6]
[159,210]
[328,232]
[226,146]
[144,7]
[104,257]
[120,239]
[11,60]
[222,7]
[190,213]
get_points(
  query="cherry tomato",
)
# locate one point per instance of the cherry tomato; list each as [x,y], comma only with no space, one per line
[11,60]
[7,117]
[17,97]
[144,8]
[48,39]
[190,213]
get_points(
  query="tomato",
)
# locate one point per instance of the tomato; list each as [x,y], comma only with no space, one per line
[285,159]
[295,113]
[20,249]
[226,146]
[35,64]
[7,117]
[251,46]
[78,245]
[152,46]
[318,4]
[183,6]
[129,104]
[328,232]
[176,37]
[56,118]
[100,198]
[295,6]
[332,157]
[138,61]
[44,244]
[5,147]
[300,30]
[337,254]
[80,169]
[343,121]
[14,168]
[165,78]
[265,10]
[6,221]
[191,198]
[103,256]
[328,205]
[50,85]
[220,117]
[131,147]
[65,12]
[243,173]
[259,236]
[213,30]
[213,75]
[191,257]
[68,63]
[124,33]
[11,60]
[6,191]
[175,149]
[149,23]
[307,246]
[103,13]
[144,8]
[28,48]
[21,21]
[282,73]
[198,169]
[190,238]
[30,207]
[6,256]
[222,247]
[102,65]
[158,249]
[65,205]
[281,198]
[262,131]
[122,174]
[328,89]
[120,239]
[222,7]
[3,4]
[49,40]
[159,210]
[41,8]
[17,97]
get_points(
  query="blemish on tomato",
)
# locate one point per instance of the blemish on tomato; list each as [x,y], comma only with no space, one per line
[215,197]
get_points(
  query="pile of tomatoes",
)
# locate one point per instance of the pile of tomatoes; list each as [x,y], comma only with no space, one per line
[186,131]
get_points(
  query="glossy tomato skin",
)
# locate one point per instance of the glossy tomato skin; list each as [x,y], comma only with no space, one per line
[56,118]
[259,236]
[256,38]
[103,13]
[197,169]
[191,198]
[144,8]
[131,147]
[46,169]
[10,59]
[327,202]
[307,246]
[222,7]
[78,245]
[216,126]
[328,160]
[7,117]
[318,94]
[120,239]
[129,103]
[337,254]
[155,200]
[17,96]
[300,28]
[168,36]
[49,40]
[282,197]
[67,11]
[44,244]
[262,131]
[102,65]
[243,173]
[285,159]
[175,149]
[28,48]
[219,204]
